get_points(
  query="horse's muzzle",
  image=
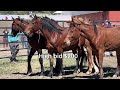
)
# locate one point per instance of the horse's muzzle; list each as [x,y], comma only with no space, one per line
[29,34]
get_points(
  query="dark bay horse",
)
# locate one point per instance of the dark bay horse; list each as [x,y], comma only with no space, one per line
[36,43]
[101,39]
[54,35]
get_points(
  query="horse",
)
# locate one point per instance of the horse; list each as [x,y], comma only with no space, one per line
[54,35]
[101,39]
[36,42]
[92,63]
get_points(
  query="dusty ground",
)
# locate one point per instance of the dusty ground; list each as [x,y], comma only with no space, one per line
[18,70]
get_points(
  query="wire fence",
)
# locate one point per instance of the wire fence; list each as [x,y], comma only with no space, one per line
[5,51]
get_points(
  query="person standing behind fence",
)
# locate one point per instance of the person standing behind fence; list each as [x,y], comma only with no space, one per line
[24,40]
[14,46]
[5,38]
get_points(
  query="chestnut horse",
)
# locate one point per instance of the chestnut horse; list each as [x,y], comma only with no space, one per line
[54,35]
[101,39]
[36,43]
[90,54]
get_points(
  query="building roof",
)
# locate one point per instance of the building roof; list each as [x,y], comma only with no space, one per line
[59,17]
[74,13]
[55,17]
[58,12]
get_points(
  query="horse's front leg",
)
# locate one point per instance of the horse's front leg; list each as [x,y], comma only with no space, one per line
[61,64]
[29,69]
[51,65]
[100,60]
[91,64]
[41,62]
[77,68]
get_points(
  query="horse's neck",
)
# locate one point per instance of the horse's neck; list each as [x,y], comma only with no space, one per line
[55,38]
[86,33]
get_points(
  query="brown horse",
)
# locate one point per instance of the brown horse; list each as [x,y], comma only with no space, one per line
[36,44]
[101,39]
[54,35]
[72,33]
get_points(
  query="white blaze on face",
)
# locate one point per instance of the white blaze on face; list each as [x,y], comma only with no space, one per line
[67,41]
[27,32]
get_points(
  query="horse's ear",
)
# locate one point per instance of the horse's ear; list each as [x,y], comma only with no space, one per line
[12,18]
[18,17]
[85,18]
[22,20]
[90,18]
[35,15]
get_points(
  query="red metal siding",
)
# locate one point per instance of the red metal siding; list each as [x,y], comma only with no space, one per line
[104,15]
[114,15]
[95,16]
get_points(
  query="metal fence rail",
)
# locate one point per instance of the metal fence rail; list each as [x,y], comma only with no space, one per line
[20,42]
[6,50]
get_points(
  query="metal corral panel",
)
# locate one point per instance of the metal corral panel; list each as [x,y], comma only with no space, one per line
[5,24]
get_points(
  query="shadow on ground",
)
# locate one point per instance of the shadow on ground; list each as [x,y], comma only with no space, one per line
[68,73]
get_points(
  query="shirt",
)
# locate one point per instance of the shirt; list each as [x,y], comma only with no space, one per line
[5,33]
[12,38]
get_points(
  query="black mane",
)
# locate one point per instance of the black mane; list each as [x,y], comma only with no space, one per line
[50,24]
[95,27]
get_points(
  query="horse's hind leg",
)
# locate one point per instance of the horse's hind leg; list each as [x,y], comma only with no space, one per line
[91,63]
[77,70]
[41,62]
[58,65]
[95,65]
[118,64]
[29,69]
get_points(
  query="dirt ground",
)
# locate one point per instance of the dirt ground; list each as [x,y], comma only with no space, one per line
[18,70]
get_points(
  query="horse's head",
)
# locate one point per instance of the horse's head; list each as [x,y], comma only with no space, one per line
[86,27]
[33,26]
[73,34]
[77,29]
[80,20]
[15,26]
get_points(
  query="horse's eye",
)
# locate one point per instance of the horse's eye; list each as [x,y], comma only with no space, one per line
[71,30]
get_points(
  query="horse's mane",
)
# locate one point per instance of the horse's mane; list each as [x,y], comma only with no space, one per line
[50,24]
[89,23]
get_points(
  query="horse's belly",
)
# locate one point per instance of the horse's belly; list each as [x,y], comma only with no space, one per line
[113,47]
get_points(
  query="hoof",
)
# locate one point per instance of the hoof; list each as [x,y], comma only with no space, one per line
[50,75]
[88,72]
[60,77]
[77,71]
[29,74]
[95,73]
[41,74]
[115,76]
